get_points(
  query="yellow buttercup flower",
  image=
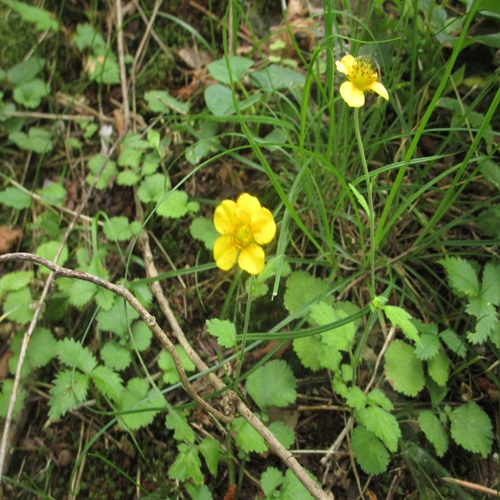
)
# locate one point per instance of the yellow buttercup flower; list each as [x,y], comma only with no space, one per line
[362,77]
[244,226]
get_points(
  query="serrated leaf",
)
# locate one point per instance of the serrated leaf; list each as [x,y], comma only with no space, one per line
[310,351]
[439,368]
[15,281]
[301,290]
[355,398]
[153,188]
[116,356]
[340,338]
[490,288]
[282,433]
[105,299]
[403,369]
[272,384]
[54,194]
[141,336]
[433,431]
[75,355]
[203,229]
[371,455]
[377,397]
[382,424]
[128,178]
[85,36]
[270,480]
[166,363]
[81,292]
[198,491]
[18,306]
[109,171]
[15,198]
[210,449]
[117,229]
[42,347]
[138,406]
[142,292]
[107,382]
[38,140]
[462,276]
[178,423]
[175,205]
[118,319]
[471,428]
[247,438]
[486,315]
[293,489]
[187,465]
[398,316]
[49,250]
[454,342]
[223,330]
[429,346]
[69,391]
[488,220]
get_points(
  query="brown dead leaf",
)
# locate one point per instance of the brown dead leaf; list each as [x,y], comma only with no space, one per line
[9,238]
[4,364]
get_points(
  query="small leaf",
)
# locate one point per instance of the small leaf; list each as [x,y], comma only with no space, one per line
[108,173]
[272,385]
[275,77]
[187,465]
[382,424]
[398,316]
[462,276]
[355,398]
[490,288]
[117,229]
[26,71]
[75,355]
[5,395]
[219,70]
[434,432]
[30,94]
[454,343]
[377,397]
[42,347]
[128,178]
[224,330]
[439,368]
[486,319]
[429,346]
[44,21]
[210,449]
[292,488]
[49,251]
[175,205]
[270,480]
[160,101]
[371,454]
[116,356]
[403,369]
[15,198]
[166,363]
[471,428]
[302,290]
[69,391]
[18,306]
[141,336]
[203,229]
[361,200]
[15,281]
[178,423]
[107,382]
[247,438]
[153,188]
[282,433]
[219,100]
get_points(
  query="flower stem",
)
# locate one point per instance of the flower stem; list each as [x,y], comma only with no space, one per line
[241,353]
[371,215]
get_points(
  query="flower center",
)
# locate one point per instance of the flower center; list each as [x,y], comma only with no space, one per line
[362,74]
[243,236]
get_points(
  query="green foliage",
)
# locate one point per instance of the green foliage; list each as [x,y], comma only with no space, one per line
[18,306]
[120,229]
[398,316]
[7,385]
[15,198]
[203,230]
[187,465]
[166,363]
[108,174]
[43,20]
[403,368]
[176,422]
[224,330]
[38,140]
[281,392]
[276,485]
[160,101]
[433,431]
[371,454]
[229,69]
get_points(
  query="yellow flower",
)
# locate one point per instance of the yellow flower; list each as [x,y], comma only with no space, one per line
[244,226]
[362,77]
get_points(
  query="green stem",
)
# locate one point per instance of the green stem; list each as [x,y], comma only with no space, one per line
[371,215]
[241,352]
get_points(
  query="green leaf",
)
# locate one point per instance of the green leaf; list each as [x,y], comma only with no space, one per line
[302,289]
[54,194]
[117,229]
[272,384]
[160,101]
[371,455]
[429,346]
[282,433]
[210,449]
[107,382]
[454,342]
[314,354]
[118,319]
[44,21]
[247,438]
[69,391]
[224,330]
[116,356]
[175,205]
[30,94]
[187,465]
[489,221]
[74,355]
[433,431]
[141,336]
[166,363]
[355,398]
[199,491]
[203,229]
[382,424]
[361,199]
[377,397]
[15,281]
[439,368]
[15,198]
[270,480]
[471,428]
[38,140]
[277,78]
[178,423]
[153,188]
[138,406]
[18,306]
[103,68]
[398,316]
[108,174]
[5,395]
[219,100]
[42,347]
[150,163]
[340,338]
[219,70]
[293,489]
[85,36]
[490,288]
[486,319]
[128,178]
[403,369]
[49,250]
[462,276]
[104,299]
[26,71]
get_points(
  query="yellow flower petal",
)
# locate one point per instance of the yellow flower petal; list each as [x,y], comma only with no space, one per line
[251,259]
[225,216]
[225,252]
[380,90]
[352,95]
[248,204]
[263,226]
[344,66]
